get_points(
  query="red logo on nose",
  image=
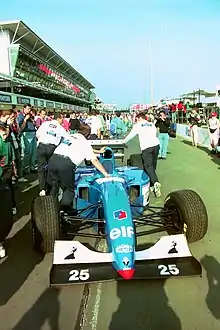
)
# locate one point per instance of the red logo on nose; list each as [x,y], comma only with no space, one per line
[120,215]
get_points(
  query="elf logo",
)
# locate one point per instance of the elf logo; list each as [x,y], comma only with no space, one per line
[115,233]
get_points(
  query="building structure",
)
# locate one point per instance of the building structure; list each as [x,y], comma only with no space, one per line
[31,70]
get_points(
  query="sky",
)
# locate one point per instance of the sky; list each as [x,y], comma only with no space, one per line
[132,51]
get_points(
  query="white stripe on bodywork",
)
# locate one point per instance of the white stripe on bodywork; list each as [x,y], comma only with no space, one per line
[158,251]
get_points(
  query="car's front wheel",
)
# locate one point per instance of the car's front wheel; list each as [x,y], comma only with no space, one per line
[45,223]
[188,214]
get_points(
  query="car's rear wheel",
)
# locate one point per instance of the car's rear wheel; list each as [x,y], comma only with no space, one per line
[188,214]
[45,223]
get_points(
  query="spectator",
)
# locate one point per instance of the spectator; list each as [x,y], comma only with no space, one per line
[14,138]
[213,125]
[66,121]
[195,122]
[50,115]
[173,112]
[102,129]
[95,124]
[27,132]
[117,127]
[7,164]
[163,125]
[40,119]
[5,120]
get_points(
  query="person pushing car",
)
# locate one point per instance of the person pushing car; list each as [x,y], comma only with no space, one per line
[49,136]
[149,144]
[62,165]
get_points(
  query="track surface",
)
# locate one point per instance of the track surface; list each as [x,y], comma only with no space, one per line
[26,303]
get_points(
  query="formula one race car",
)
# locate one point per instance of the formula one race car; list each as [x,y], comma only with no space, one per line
[117,208]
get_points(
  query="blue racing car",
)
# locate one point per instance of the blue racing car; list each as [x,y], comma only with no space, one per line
[116,210]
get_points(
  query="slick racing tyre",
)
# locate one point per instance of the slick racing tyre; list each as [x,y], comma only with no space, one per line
[6,216]
[136,160]
[45,223]
[189,214]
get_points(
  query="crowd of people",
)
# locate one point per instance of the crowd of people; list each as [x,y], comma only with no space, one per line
[213,127]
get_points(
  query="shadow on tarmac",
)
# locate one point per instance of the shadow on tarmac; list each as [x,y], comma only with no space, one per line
[21,258]
[148,308]
[214,157]
[19,264]
[212,268]
[24,198]
[46,308]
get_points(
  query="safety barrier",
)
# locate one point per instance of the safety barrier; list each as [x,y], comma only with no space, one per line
[184,131]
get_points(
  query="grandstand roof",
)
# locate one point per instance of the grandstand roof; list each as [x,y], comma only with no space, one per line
[21,32]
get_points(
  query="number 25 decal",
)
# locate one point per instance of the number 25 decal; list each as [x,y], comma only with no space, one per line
[79,275]
[168,270]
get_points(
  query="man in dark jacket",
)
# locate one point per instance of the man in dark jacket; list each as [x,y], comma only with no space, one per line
[163,125]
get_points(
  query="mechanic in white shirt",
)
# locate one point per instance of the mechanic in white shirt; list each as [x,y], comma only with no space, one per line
[67,156]
[49,136]
[150,145]
[95,123]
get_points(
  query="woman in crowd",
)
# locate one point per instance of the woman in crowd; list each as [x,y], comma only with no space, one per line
[213,125]
[195,122]
[40,119]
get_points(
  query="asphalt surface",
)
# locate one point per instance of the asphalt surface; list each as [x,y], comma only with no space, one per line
[26,302]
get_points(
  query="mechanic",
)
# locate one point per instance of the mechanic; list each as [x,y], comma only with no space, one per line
[62,165]
[49,136]
[149,144]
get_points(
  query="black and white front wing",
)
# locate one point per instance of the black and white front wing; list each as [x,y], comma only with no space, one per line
[73,263]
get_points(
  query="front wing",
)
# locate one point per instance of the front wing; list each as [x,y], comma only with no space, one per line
[73,263]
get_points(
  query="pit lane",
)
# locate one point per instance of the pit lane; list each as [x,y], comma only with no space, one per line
[175,304]
[28,303]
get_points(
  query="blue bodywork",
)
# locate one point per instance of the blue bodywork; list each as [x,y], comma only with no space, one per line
[113,196]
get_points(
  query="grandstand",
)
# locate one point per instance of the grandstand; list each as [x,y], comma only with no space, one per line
[32,72]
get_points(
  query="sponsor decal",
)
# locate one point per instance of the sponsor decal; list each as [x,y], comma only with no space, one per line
[71,255]
[173,248]
[115,233]
[126,261]
[124,248]
[53,126]
[120,215]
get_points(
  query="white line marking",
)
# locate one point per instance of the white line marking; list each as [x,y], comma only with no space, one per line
[96,307]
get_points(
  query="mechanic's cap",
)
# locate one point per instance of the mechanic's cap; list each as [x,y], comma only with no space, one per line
[213,114]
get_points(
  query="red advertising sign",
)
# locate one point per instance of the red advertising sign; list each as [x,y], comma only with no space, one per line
[139,107]
[59,78]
